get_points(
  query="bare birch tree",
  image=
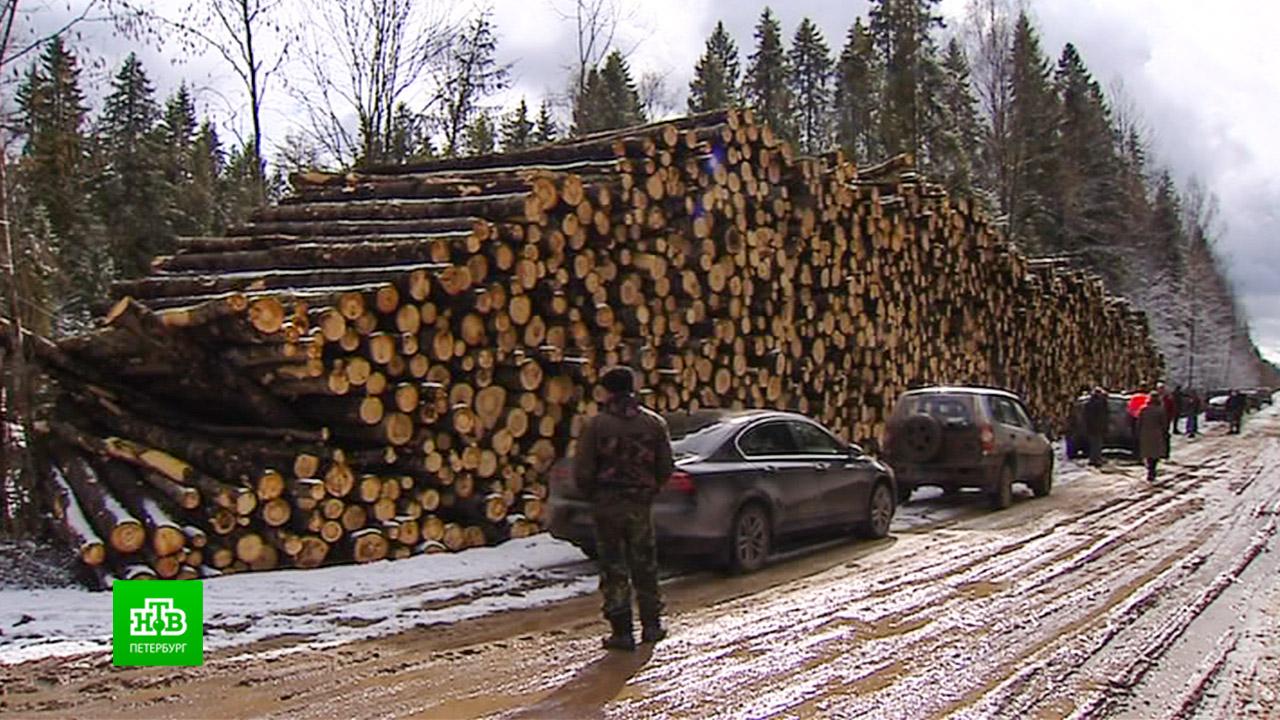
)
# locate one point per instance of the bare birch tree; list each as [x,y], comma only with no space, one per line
[250,36]
[360,60]
[988,32]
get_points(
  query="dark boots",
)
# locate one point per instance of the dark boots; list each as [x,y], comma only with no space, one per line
[653,631]
[622,637]
[651,622]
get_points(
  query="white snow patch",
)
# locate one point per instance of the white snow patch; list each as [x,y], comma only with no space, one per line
[320,607]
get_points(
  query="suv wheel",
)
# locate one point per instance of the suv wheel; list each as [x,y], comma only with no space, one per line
[749,543]
[1002,493]
[879,513]
[1043,485]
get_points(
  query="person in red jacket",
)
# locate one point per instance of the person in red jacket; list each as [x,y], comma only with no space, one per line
[1137,401]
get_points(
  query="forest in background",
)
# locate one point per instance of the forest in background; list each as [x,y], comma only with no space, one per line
[95,189]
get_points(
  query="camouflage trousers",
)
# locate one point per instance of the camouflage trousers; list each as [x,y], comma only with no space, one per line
[627,554]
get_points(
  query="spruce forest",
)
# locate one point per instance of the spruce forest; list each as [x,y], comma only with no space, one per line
[99,183]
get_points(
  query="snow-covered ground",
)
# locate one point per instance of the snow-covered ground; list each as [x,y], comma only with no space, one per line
[324,606]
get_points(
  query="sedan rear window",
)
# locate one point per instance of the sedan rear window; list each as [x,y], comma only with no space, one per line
[772,438]
[698,433]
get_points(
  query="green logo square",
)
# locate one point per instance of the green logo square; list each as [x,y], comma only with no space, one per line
[157,623]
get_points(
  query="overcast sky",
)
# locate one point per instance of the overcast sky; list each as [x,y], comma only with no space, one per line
[1205,76]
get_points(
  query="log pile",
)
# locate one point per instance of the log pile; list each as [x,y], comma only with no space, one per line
[390,361]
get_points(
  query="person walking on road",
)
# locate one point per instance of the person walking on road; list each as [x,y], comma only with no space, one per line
[1192,410]
[1137,401]
[623,458]
[1170,415]
[1236,404]
[1153,435]
[1097,414]
[1179,407]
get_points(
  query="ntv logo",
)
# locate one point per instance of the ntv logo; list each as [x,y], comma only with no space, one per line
[157,623]
[158,616]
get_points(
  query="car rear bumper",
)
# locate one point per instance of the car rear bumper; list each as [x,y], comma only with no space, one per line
[982,475]
[679,530]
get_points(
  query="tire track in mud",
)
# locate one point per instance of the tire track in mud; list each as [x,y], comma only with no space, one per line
[949,583]
[1126,516]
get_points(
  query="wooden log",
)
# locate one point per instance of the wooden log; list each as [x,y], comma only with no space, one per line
[124,533]
[71,522]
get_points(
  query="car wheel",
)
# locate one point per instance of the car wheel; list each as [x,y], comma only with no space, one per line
[1043,485]
[879,513]
[904,494]
[750,540]
[1002,493]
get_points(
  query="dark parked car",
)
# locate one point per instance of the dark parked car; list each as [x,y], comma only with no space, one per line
[1119,435]
[967,437]
[1216,409]
[1258,398]
[744,480]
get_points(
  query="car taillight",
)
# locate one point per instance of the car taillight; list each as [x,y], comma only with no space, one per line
[681,482]
[987,437]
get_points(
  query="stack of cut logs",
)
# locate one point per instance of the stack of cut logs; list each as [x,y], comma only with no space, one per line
[390,361]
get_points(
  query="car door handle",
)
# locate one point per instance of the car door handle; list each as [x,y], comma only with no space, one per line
[821,466]
[771,469]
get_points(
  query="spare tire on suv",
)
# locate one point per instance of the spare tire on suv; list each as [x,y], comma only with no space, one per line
[920,439]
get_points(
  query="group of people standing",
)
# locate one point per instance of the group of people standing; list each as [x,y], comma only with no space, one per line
[1153,418]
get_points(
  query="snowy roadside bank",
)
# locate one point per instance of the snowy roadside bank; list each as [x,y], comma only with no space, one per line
[320,607]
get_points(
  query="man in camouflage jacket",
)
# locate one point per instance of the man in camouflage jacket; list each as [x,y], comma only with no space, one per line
[623,458]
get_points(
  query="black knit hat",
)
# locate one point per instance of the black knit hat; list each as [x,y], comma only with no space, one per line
[619,380]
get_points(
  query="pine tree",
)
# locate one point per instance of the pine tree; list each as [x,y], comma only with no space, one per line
[1033,120]
[609,99]
[409,140]
[205,196]
[716,76]
[857,95]
[766,85]
[57,228]
[178,129]
[518,129]
[237,186]
[809,69]
[1088,192]
[481,139]
[37,274]
[954,133]
[132,194]
[54,157]
[545,131]
[902,30]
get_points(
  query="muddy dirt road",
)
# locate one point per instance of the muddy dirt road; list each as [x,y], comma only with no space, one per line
[1111,598]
